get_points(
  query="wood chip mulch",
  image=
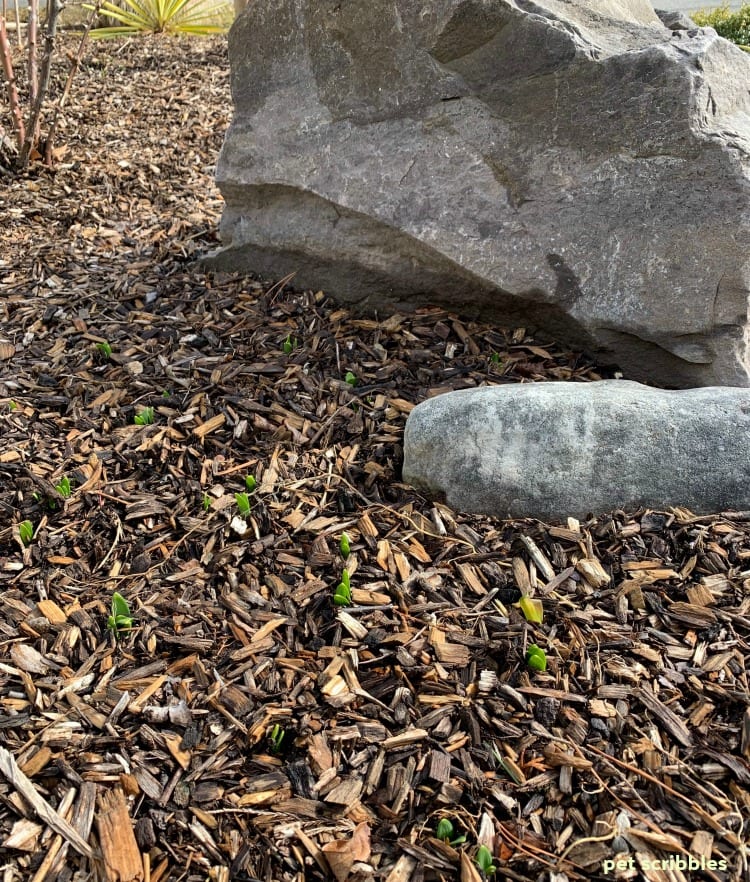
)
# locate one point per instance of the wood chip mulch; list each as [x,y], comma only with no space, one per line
[248,728]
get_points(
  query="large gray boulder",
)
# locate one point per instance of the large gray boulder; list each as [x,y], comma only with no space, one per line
[572,166]
[552,450]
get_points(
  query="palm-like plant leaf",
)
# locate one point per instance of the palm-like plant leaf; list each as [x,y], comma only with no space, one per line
[194,17]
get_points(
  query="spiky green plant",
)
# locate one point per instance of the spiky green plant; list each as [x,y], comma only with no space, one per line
[730,24]
[197,18]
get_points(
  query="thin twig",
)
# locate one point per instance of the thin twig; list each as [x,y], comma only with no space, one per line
[76,63]
[53,12]
[15,105]
[18,23]
[33,67]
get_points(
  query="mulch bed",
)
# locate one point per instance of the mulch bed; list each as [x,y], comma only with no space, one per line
[247,727]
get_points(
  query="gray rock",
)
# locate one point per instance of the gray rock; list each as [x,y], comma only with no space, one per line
[567,165]
[675,20]
[552,450]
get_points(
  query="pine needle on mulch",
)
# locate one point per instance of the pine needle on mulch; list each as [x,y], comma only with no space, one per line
[245,726]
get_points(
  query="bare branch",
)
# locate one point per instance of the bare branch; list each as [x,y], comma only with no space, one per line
[32,50]
[66,91]
[18,23]
[53,12]
[10,78]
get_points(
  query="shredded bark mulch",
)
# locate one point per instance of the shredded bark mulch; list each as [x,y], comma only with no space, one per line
[244,726]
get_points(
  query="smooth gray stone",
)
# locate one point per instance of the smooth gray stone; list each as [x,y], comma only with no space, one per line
[553,450]
[572,166]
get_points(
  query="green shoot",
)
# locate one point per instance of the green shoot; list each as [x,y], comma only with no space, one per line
[290,344]
[206,502]
[63,488]
[145,417]
[250,483]
[342,596]
[531,609]
[344,546]
[351,379]
[166,393]
[12,405]
[120,619]
[104,349]
[26,532]
[483,860]
[536,658]
[276,737]
[243,504]
[445,831]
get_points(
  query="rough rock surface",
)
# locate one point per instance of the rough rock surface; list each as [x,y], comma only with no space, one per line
[552,450]
[569,165]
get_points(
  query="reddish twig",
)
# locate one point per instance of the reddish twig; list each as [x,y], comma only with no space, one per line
[10,78]
[53,12]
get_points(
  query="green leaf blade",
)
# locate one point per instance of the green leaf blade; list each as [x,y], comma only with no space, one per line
[532,610]
[120,606]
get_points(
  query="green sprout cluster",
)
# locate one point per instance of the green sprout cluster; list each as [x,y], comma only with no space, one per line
[104,349]
[64,487]
[536,658]
[290,344]
[243,499]
[145,417]
[483,860]
[243,504]
[120,619]
[344,546]
[446,832]
[276,737]
[342,596]
[26,532]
